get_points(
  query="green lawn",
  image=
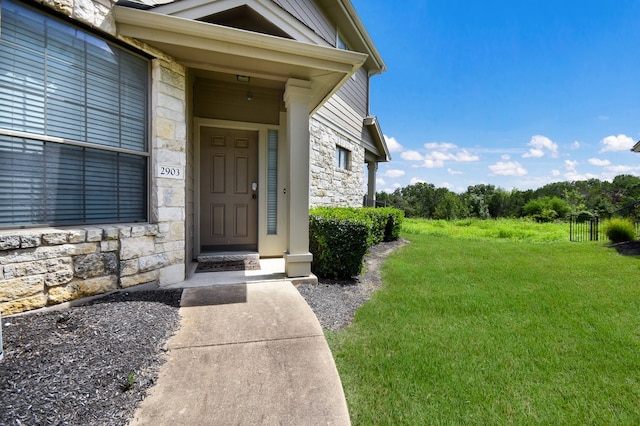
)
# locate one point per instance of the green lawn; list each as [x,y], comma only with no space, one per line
[496,330]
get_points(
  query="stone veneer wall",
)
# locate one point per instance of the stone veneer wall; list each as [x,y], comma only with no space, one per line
[330,185]
[46,266]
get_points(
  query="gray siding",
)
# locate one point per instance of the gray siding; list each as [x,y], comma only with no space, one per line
[355,92]
[348,107]
[308,13]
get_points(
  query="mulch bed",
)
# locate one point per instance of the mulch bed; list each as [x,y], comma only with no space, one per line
[628,248]
[88,365]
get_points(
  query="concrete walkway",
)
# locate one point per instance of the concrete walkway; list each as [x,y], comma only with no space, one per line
[246,354]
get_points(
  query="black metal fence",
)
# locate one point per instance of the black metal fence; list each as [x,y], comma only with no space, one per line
[592,229]
[368,202]
[584,229]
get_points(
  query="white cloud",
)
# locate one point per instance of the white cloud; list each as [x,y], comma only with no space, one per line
[511,168]
[441,152]
[539,144]
[430,163]
[465,156]
[599,162]
[570,165]
[505,157]
[392,144]
[575,176]
[616,143]
[555,172]
[624,169]
[439,155]
[397,185]
[454,172]
[575,145]
[394,173]
[417,180]
[533,153]
[380,181]
[441,146]
[411,156]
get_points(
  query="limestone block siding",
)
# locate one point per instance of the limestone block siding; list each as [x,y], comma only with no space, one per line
[331,185]
[50,266]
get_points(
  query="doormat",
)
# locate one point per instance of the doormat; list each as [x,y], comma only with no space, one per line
[229,265]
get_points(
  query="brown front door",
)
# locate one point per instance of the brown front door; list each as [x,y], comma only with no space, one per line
[228,189]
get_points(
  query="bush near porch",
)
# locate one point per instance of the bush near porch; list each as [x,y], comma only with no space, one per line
[339,237]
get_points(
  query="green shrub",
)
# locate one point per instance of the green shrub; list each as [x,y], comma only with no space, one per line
[379,221]
[546,209]
[395,217]
[339,237]
[620,230]
[338,241]
[584,216]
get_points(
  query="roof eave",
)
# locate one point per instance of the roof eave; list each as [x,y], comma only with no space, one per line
[373,125]
[374,55]
[246,52]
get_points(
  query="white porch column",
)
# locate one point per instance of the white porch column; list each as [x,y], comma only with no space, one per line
[372,168]
[297,97]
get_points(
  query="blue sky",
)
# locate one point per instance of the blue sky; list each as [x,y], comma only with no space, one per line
[514,93]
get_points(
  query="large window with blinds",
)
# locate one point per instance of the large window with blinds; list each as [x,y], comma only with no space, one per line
[73,124]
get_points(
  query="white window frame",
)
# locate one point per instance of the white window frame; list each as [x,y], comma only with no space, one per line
[343,158]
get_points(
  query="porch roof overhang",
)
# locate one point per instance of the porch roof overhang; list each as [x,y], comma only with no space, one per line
[213,47]
[372,124]
[636,147]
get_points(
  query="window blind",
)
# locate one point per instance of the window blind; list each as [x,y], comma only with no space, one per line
[63,184]
[58,81]
[272,182]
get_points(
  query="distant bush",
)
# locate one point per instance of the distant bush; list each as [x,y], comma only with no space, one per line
[546,209]
[584,216]
[340,237]
[620,230]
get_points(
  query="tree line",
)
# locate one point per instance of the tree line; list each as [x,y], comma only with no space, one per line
[554,201]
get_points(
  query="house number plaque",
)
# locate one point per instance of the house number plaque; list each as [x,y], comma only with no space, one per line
[170,172]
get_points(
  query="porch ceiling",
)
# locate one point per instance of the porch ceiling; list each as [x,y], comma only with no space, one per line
[213,47]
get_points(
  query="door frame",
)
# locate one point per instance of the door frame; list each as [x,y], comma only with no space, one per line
[268,245]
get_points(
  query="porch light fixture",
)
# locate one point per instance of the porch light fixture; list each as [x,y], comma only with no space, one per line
[245,79]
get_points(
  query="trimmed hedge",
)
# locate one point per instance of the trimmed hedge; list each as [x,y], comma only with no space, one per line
[340,237]
[394,222]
